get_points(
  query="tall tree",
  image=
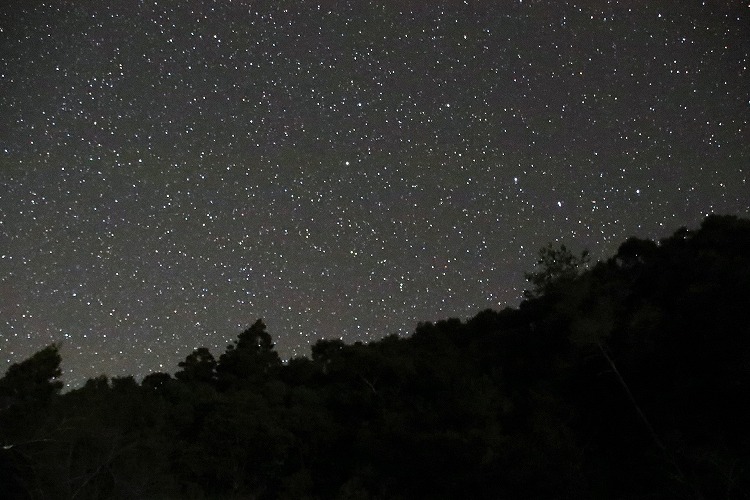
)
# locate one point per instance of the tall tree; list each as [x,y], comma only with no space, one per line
[35,379]
[249,360]
[199,366]
[556,266]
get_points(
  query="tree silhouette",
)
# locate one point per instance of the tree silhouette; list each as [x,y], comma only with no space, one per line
[199,366]
[557,266]
[250,360]
[34,379]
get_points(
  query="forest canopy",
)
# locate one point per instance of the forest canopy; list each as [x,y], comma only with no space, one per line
[627,378]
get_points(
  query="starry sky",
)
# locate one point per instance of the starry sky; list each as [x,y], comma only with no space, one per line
[171,171]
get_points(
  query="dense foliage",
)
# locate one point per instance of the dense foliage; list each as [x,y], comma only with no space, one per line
[625,379]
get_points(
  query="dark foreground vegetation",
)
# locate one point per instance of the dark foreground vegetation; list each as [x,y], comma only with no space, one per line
[626,379]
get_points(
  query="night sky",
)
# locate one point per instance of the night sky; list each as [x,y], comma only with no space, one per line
[170,171]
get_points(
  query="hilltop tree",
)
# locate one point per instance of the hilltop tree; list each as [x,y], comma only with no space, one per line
[249,360]
[556,266]
[34,379]
[199,366]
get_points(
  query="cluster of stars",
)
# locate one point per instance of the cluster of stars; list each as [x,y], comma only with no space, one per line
[171,172]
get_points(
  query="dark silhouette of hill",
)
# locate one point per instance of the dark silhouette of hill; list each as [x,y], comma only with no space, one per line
[625,379]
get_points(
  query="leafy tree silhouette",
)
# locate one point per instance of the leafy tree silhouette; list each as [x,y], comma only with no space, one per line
[557,267]
[250,360]
[199,366]
[34,379]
